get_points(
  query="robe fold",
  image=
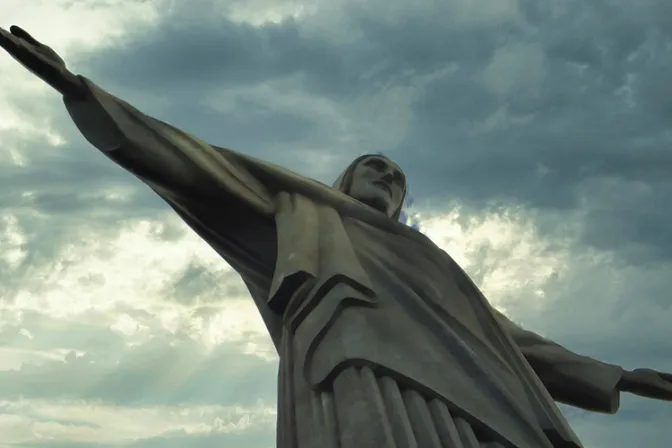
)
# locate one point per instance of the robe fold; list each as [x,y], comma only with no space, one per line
[383,339]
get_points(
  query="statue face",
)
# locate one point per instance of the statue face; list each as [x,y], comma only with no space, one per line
[378,183]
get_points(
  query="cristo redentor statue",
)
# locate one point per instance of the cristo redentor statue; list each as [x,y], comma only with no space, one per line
[384,341]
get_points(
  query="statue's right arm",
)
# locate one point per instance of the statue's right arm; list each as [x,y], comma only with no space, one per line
[179,167]
[171,161]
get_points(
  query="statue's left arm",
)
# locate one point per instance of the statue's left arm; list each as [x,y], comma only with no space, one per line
[570,378]
[581,381]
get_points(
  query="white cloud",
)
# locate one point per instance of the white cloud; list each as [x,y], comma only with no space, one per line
[260,12]
[104,311]
[24,421]
[11,240]
[504,250]
[72,26]
[99,273]
[69,27]
[14,358]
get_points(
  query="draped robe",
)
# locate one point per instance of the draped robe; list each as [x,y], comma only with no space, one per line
[383,339]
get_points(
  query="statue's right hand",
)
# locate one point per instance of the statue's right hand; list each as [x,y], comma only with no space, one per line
[40,60]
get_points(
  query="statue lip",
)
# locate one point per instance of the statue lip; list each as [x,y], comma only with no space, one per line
[383,185]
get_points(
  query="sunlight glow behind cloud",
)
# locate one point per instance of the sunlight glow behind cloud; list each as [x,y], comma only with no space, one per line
[119,326]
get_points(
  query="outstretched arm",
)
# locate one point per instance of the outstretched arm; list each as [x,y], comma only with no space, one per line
[171,161]
[229,199]
[570,378]
[176,165]
[581,381]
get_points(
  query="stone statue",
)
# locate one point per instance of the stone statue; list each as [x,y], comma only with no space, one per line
[383,339]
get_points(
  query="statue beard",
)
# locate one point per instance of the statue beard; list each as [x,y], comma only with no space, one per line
[376,203]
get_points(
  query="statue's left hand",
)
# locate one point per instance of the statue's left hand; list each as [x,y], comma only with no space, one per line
[647,383]
[42,61]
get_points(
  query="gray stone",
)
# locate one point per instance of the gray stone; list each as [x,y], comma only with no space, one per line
[384,341]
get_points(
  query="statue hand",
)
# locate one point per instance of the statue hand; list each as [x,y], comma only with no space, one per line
[40,60]
[647,383]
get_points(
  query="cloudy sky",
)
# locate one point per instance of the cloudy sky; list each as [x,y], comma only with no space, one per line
[536,135]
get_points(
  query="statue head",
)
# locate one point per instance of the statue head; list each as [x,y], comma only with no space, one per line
[376,181]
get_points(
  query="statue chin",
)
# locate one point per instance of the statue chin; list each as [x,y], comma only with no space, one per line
[375,202]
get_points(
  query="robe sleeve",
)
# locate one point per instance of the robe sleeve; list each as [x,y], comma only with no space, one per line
[570,378]
[226,197]
[178,166]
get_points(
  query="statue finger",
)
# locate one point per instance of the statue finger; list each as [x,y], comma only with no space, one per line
[9,42]
[23,34]
[6,35]
[663,390]
[666,376]
[665,394]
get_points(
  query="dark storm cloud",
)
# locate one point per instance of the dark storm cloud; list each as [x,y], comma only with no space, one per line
[599,430]
[617,314]
[565,108]
[584,128]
